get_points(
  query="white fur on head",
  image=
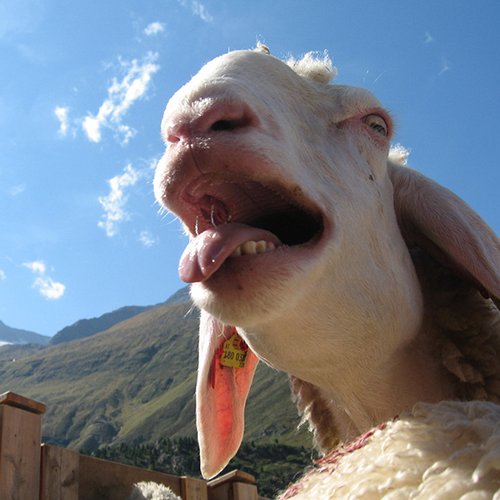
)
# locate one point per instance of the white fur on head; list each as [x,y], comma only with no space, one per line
[314,66]
[399,154]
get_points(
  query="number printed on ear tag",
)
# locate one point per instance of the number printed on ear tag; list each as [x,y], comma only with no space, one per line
[234,352]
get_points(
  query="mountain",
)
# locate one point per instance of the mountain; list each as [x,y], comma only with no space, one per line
[182,296]
[13,352]
[9,335]
[134,383]
[88,327]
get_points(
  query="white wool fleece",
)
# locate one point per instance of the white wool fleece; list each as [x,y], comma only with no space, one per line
[449,450]
[149,490]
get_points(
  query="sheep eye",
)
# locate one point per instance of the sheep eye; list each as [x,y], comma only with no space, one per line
[377,123]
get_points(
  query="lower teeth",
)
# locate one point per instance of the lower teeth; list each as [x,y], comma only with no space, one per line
[253,248]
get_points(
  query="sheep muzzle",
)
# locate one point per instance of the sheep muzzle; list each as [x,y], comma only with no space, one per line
[248,219]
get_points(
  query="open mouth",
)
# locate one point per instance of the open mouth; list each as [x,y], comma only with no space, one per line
[292,225]
[230,219]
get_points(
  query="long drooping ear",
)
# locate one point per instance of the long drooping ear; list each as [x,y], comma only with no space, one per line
[438,221]
[221,394]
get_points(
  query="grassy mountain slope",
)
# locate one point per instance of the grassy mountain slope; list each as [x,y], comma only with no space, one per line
[12,352]
[135,383]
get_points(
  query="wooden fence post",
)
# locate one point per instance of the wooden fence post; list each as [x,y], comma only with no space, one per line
[31,472]
[20,435]
[102,479]
[235,485]
[193,489]
[59,473]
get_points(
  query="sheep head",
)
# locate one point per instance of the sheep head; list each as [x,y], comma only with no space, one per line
[283,184]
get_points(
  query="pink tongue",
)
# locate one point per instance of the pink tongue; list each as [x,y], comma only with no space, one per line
[206,253]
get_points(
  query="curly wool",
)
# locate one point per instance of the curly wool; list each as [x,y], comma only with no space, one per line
[149,490]
[449,450]
[312,65]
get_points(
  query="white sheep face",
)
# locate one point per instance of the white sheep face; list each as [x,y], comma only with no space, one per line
[284,187]
[257,153]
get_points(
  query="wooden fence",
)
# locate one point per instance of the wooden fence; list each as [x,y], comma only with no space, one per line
[30,470]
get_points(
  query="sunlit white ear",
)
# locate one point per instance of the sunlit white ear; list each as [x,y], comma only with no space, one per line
[221,394]
[444,225]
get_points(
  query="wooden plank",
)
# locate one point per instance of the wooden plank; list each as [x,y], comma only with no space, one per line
[223,491]
[59,473]
[20,433]
[193,489]
[12,399]
[242,491]
[233,476]
[233,491]
[235,485]
[101,479]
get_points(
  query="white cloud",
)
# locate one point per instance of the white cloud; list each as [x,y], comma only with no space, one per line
[151,164]
[36,266]
[121,95]
[154,28]
[3,276]
[198,9]
[114,203]
[147,239]
[91,126]
[62,114]
[126,132]
[445,66]
[46,286]
[428,38]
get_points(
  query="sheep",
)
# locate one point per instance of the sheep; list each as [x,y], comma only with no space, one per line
[315,249]
[149,490]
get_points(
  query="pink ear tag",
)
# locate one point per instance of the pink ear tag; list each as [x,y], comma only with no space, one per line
[234,352]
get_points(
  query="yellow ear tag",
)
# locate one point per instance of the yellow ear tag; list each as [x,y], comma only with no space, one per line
[234,352]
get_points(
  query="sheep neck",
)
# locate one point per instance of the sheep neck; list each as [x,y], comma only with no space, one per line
[415,374]
[366,371]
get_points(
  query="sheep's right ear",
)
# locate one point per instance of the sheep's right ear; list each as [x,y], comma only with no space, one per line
[438,221]
[221,394]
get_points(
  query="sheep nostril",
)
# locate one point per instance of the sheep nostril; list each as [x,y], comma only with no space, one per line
[219,117]
[175,132]
[173,138]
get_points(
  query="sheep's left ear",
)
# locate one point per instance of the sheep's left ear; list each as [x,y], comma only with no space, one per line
[437,220]
[221,394]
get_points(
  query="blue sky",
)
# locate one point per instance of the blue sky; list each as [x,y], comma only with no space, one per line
[82,92]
